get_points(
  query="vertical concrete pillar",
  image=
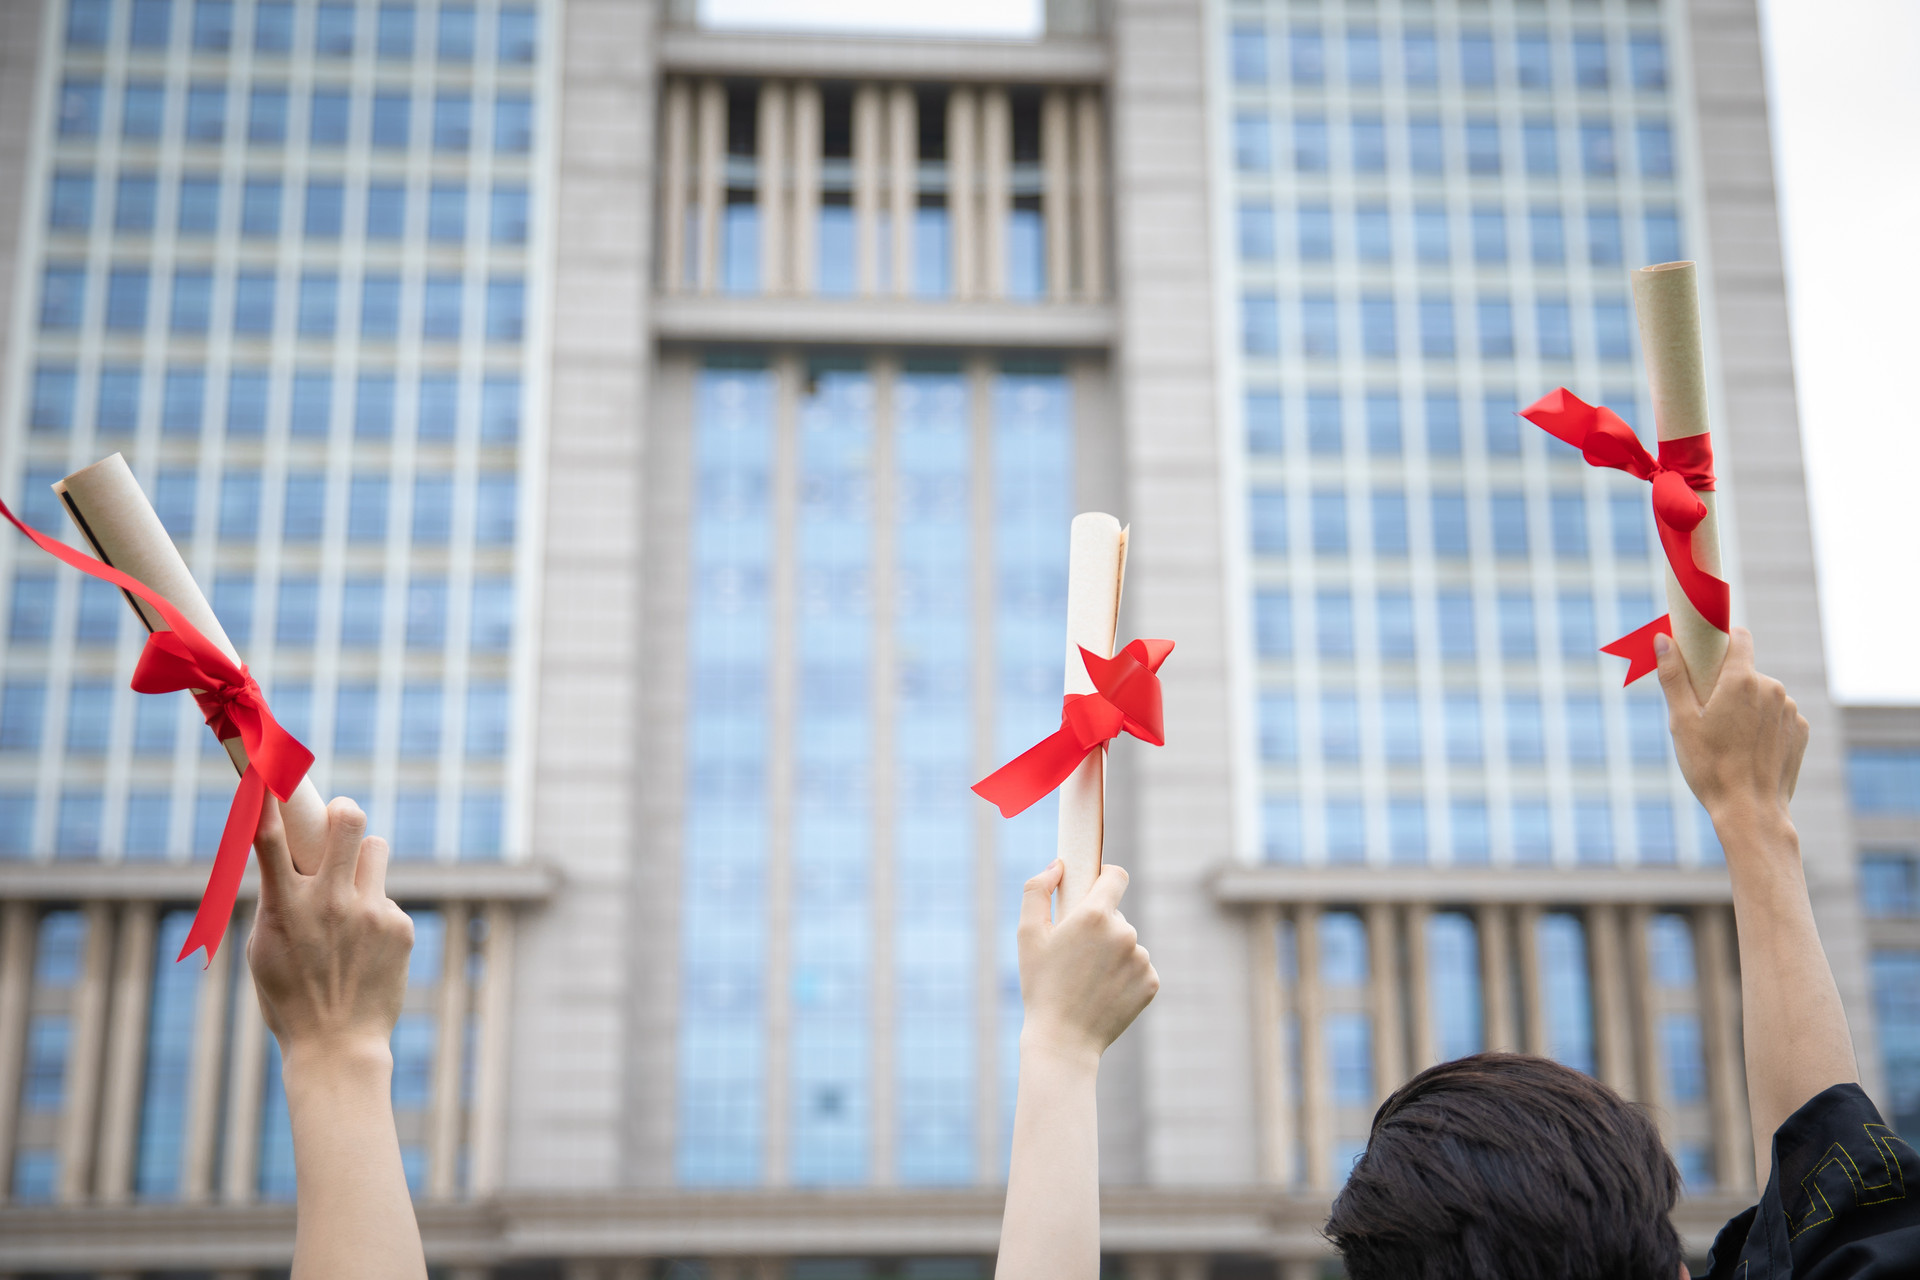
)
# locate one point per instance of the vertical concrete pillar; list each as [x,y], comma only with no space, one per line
[246,1086]
[450,1042]
[775,152]
[18,922]
[963,166]
[1090,203]
[677,152]
[1389,1025]
[126,1053]
[1423,1048]
[203,1081]
[1713,941]
[871,234]
[1273,1090]
[806,187]
[903,182]
[1056,203]
[1316,1090]
[1526,942]
[711,160]
[487,1120]
[996,129]
[1644,1012]
[1496,978]
[88,1023]
[1612,1013]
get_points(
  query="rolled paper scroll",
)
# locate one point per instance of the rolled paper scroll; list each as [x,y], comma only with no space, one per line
[116,519]
[1096,567]
[1667,300]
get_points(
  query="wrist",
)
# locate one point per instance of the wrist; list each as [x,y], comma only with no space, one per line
[1047,1043]
[336,1061]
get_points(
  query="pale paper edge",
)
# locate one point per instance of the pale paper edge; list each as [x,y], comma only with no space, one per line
[1096,562]
[114,516]
[1666,299]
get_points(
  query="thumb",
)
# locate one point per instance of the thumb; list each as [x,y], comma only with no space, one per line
[1036,910]
[1674,679]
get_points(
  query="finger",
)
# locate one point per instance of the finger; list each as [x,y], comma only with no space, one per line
[345,825]
[1796,751]
[277,873]
[1036,909]
[1739,658]
[370,874]
[1674,680]
[1108,889]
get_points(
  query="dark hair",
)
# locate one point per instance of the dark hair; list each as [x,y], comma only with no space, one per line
[1502,1166]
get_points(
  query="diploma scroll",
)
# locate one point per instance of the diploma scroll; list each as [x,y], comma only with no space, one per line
[118,522]
[1096,566]
[1667,300]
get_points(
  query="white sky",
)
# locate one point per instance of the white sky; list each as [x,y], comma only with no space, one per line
[1846,123]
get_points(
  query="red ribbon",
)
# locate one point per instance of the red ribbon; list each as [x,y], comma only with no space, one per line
[230,699]
[1685,466]
[1127,699]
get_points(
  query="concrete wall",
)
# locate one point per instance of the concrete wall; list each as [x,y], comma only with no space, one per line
[19,81]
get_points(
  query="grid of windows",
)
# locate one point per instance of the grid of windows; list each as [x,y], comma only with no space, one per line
[1435,216]
[285,267]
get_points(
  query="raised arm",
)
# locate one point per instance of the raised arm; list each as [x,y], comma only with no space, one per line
[329,958]
[1741,754]
[1083,980]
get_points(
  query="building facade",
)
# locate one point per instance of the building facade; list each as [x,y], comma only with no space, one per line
[637,458]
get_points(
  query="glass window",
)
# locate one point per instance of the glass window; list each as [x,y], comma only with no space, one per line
[23,705]
[1590,59]
[1495,315]
[306,506]
[1400,732]
[386,211]
[452,120]
[500,408]
[1260,324]
[1653,831]
[267,115]
[1272,621]
[1369,144]
[373,406]
[312,409]
[149,814]
[1889,884]
[415,814]
[1252,143]
[296,619]
[1548,235]
[1569,512]
[432,509]
[1553,328]
[1456,624]
[1483,145]
[492,618]
[101,609]
[151,25]
[1579,638]
[80,107]
[319,303]
[1333,623]
[70,202]
[1267,512]
[1363,56]
[206,113]
[519,35]
[1489,235]
[1420,53]
[1310,146]
[1393,621]
[440,310]
[89,720]
[1256,232]
[456,32]
[361,607]
[1596,148]
[380,306]
[326,201]
[1340,727]
[54,387]
[175,492]
[426,613]
[253,302]
[393,32]
[127,291]
[1516,625]
[331,116]
[1662,229]
[1436,328]
[1383,423]
[1329,522]
[1377,327]
[392,120]
[1884,780]
[1462,727]
[486,720]
[1247,49]
[1280,834]
[333,31]
[135,198]
[1307,55]
[480,816]
[1319,326]
[419,720]
[1541,144]
[1533,60]
[87,23]
[1586,729]
[1656,148]
[513,123]
[506,306]
[1567,1003]
[1266,432]
[1426,146]
[1647,728]
[273,26]
[1373,233]
[143,110]
[233,606]
[1449,523]
[1389,523]
[1532,832]
[117,406]
[1509,513]
[439,406]
[1443,415]
[260,209]
[1476,59]
[493,510]
[1326,424]
[1315,227]
[1604,247]
[1648,57]
[1346,820]
[356,707]
[1526,730]
[1613,328]
[507,224]
[183,394]
[367,509]
[199,211]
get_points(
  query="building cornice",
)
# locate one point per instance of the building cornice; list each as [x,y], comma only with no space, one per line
[883,322]
[164,881]
[1256,885]
[842,57]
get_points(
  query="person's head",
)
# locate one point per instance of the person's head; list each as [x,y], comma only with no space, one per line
[1501,1166]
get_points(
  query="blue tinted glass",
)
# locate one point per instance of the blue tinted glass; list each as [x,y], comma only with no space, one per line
[1896,999]
[1310,144]
[1476,59]
[273,26]
[151,24]
[1389,523]
[432,509]
[330,116]
[494,513]
[1333,623]
[1273,623]
[1026,250]
[1393,622]
[1252,143]
[1590,60]
[1247,48]
[267,116]
[1568,999]
[507,224]
[506,309]
[1426,146]
[51,408]
[1265,429]
[1884,780]
[393,32]
[23,705]
[1420,53]
[455,36]
[1369,144]
[1260,324]
[70,202]
[500,408]
[1648,56]
[1436,330]
[1267,511]
[1319,326]
[30,619]
[492,615]
[326,201]
[1453,977]
[305,506]
[1655,143]
[134,200]
[367,508]
[312,408]
[1483,146]
[452,122]
[1465,742]
[169,1050]
[440,309]
[206,113]
[1256,232]
[183,396]
[199,210]
[333,31]
[426,613]
[1315,227]
[143,109]
[80,107]
[519,35]
[1363,55]
[297,615]
[1596,148]
[420,711]
[373,406]
[513,123]
[1307,55]
[392,120]
[1373,233]
[127,293]
[1489,235]
[386,211]
[87,23]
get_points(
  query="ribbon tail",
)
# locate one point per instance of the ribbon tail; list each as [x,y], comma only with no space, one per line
[1706,593]
[1015,786]
[1637,647]
[229,865]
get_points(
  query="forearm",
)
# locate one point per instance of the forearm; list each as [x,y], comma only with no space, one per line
[1797,1042]
[355,1216]
[1051,1227]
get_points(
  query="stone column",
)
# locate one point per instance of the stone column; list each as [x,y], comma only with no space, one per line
[1056,204]
[1090,198]
[1612,1015]
[806,187]
[1526,943]
[202,1123]
[1726,1068]
[1424,1050]
[88,1022]
[677,151]
[711,152]
[963,163]
[996,129]
[1272,1088]
[17,926]
[487,1121]
[775,148]
[1496,978]
[126,1053]
[868,149]
[903,182]
[1383,968]
[450,1042]
[246,1086]
[1316,1090]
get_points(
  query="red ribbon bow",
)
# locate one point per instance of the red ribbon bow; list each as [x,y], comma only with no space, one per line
[230,699]
[1127,699]
[1683,467]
